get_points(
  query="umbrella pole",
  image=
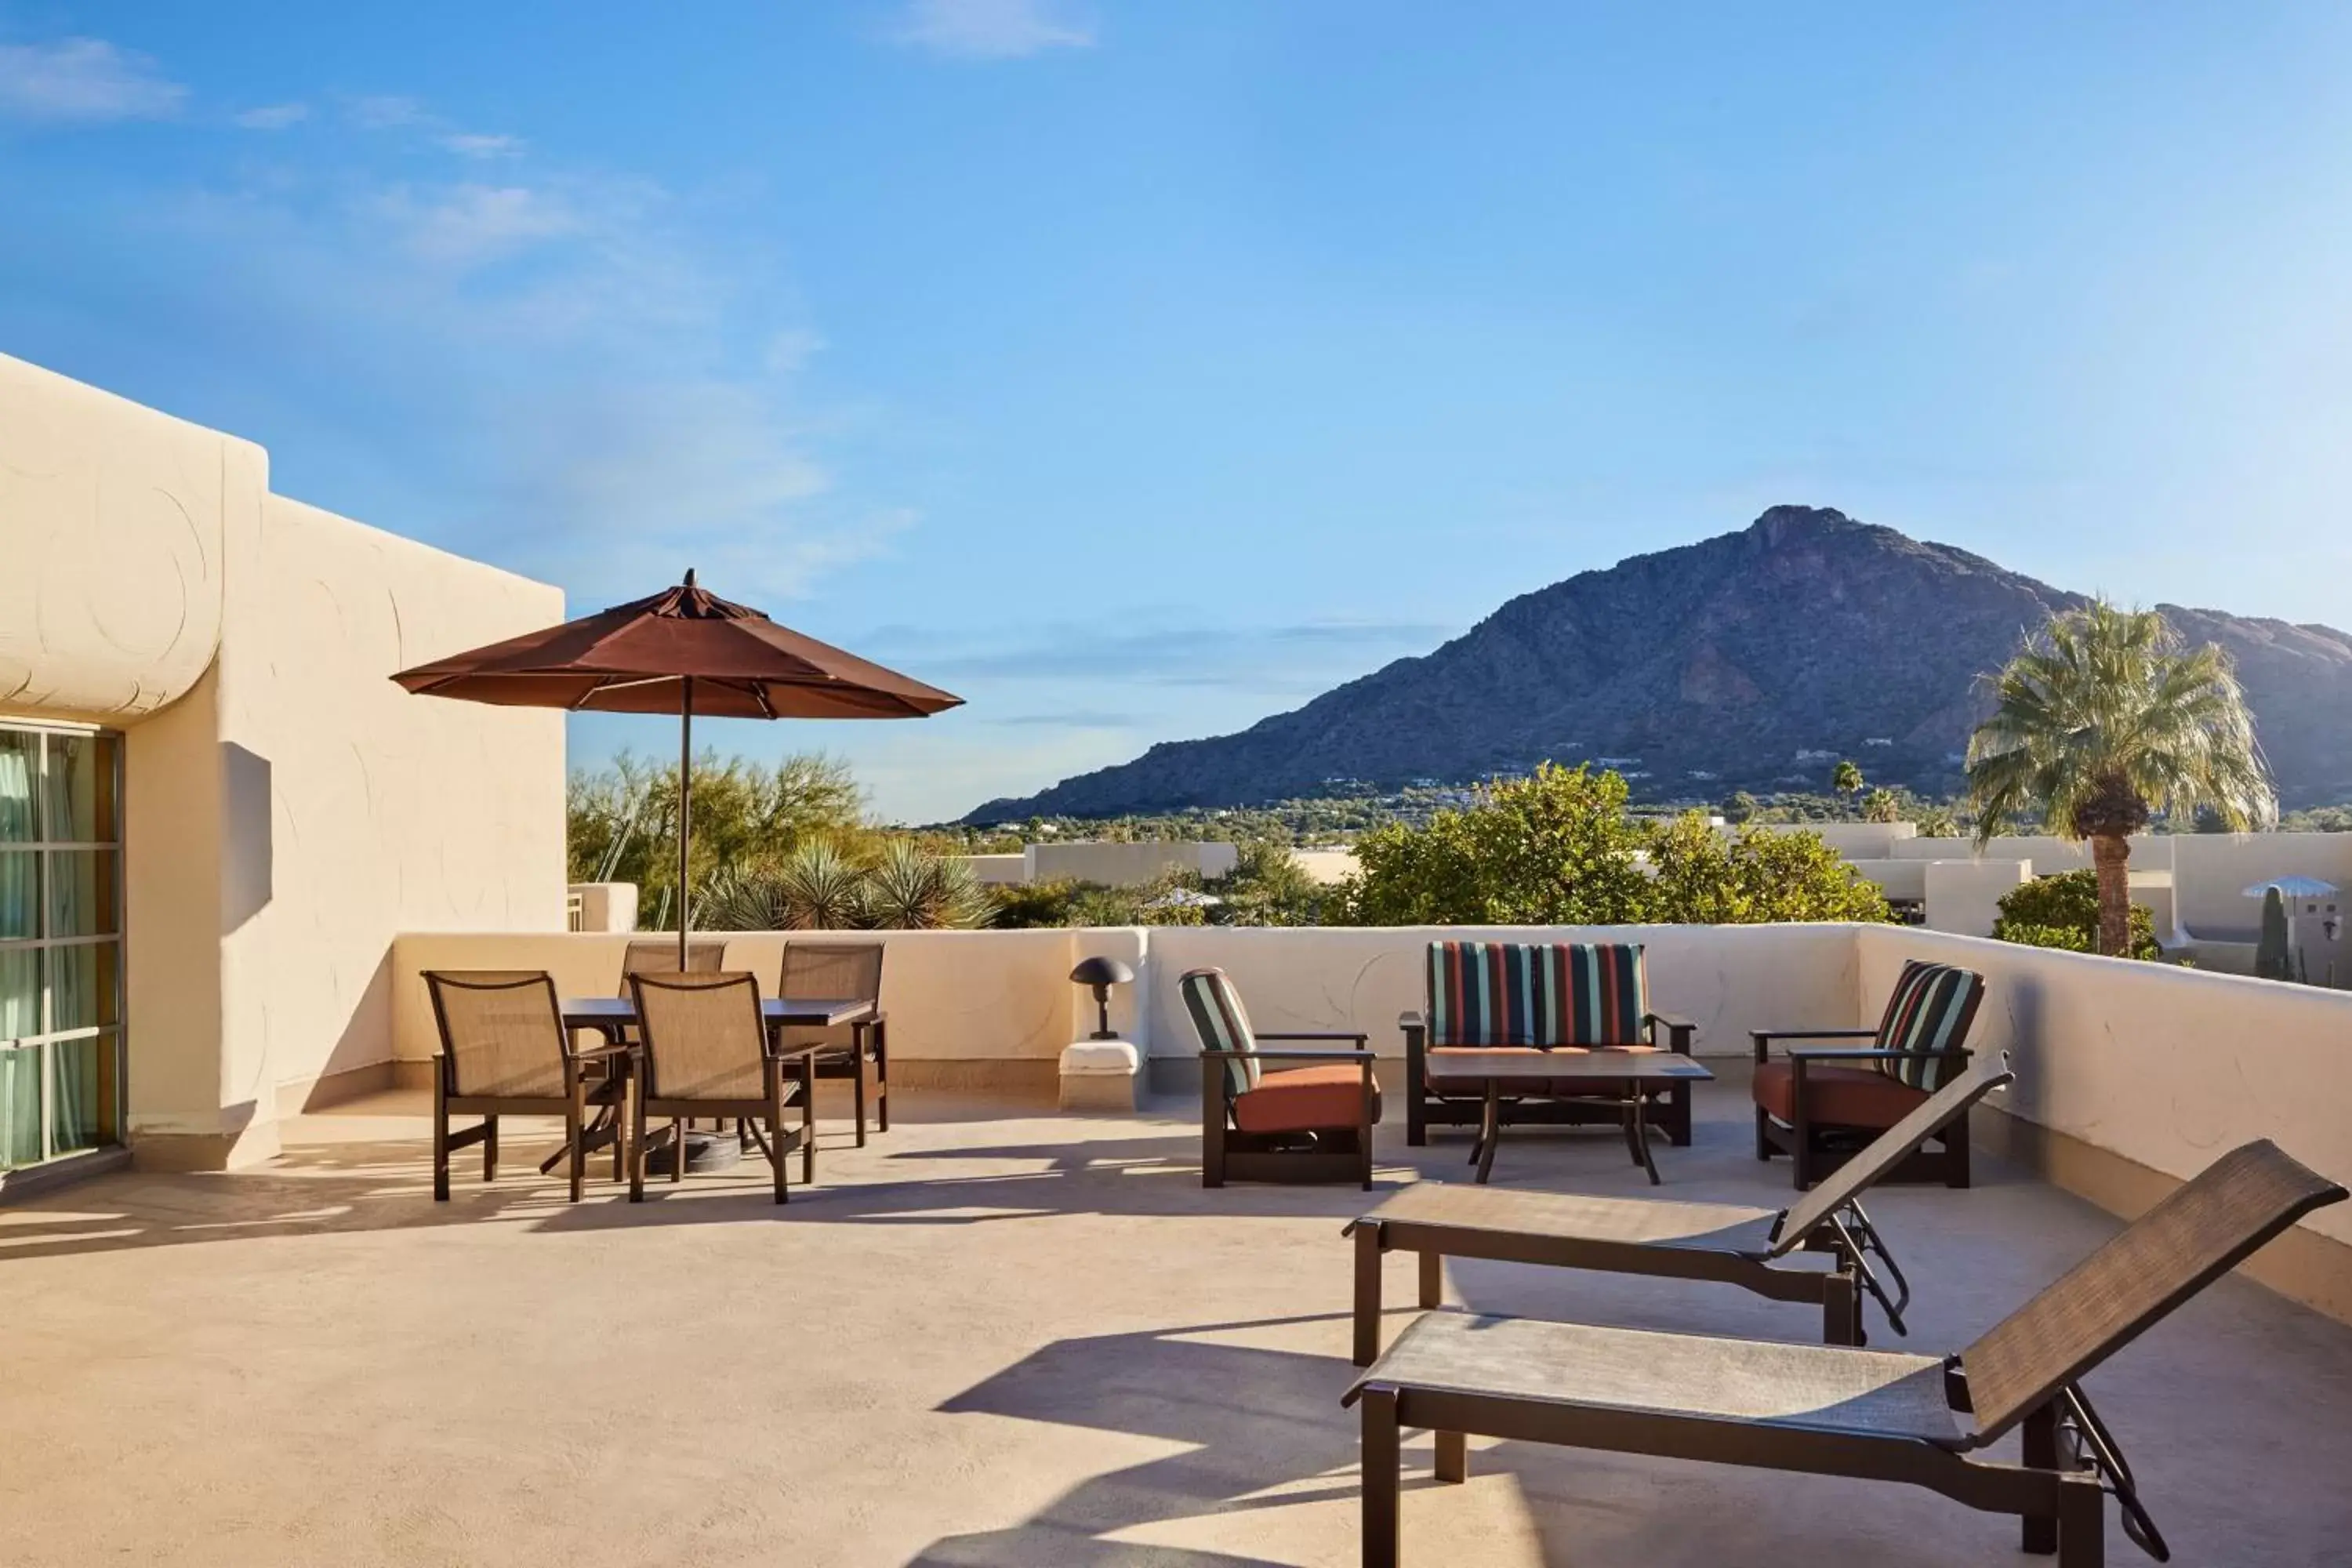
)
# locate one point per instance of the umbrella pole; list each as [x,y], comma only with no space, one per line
[684,805]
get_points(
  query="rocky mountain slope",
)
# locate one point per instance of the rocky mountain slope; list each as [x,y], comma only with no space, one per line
[1750,661]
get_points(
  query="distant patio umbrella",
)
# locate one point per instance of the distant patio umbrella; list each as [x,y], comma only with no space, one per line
[684,651]
[2292,888]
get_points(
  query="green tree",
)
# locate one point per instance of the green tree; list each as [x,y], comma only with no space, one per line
[1882,804]
[1740,807]
[2062,910]
[1701,877]
[2101,721]
[1267,887]
[1554,848]
[1846,779]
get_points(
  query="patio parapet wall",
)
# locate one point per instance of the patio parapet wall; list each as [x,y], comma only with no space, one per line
[2132,1075]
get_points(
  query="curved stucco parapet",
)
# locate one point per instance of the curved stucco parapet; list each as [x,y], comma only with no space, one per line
[111,532]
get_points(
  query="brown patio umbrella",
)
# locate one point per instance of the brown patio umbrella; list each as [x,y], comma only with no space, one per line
[684,651]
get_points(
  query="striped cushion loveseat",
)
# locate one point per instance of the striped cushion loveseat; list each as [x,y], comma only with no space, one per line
[1817,1106]
[1538,997]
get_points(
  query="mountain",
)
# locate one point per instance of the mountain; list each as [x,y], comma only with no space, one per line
[1752,660]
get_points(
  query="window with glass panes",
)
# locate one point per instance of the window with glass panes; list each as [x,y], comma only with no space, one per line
[61,1051]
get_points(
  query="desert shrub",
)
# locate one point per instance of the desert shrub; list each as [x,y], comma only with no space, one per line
[1702,877]
[2063,912]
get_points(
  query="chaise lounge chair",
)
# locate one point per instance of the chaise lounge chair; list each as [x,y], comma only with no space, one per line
[1749,1248]
[1835,1410]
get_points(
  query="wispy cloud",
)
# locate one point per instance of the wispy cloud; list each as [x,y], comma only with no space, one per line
[384,111]
[273,116]
[990,29]
[473,144]
[467,225]
[83,81]
[1177,652]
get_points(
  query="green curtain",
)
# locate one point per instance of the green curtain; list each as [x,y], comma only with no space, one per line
[20,968]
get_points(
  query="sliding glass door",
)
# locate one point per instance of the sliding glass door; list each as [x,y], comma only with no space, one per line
[62,1050]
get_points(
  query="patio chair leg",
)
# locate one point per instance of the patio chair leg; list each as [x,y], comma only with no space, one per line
[1763,1141]
[638,1144]
[575,1135]
[678,1129]
[2040,1452]
[489,1148]
[1432,1281]
[1382,1481]
[776,1145]
[440,1138]
[1453,1457]
[808,1121]
[1369,1252]
[2082,1522]
[1841,1309]
[857,1073]
[881,1077]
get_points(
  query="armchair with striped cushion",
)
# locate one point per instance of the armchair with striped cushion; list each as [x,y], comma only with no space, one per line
[1819,1106]
[1296,1123]
[1540,997]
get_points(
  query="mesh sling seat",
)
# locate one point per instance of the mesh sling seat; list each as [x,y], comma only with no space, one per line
[1753,1248]
[661,958]
[1294,1124]
[1842,1411]
[704,1050]
[1818,1106]
[860,1052]
[504,1052]
[1539,996]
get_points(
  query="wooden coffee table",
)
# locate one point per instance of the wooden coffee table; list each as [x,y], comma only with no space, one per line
[1569,1072]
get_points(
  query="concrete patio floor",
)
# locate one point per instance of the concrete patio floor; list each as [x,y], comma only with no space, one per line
[996,1336]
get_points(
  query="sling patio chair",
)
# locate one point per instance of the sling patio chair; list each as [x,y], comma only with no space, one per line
[661,958]
[1833,1410]
[1819,1106]
[1295,1124]
[704,1050]
[504,1052]
[844,971]
[1749,1248]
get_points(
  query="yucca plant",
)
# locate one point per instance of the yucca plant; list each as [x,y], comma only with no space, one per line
[819,888]
[742,901]
[909,888]
[2103,720]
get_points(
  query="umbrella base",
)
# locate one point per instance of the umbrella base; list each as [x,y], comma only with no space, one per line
[705,1152]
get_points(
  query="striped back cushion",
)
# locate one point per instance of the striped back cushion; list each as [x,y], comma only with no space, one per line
[1929,1011]
[1536,994]
[1219,1018]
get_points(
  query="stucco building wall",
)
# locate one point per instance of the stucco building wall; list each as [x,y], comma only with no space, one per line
[287,809]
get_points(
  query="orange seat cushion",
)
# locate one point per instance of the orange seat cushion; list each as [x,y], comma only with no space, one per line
[1305,1099]
[1836,1096]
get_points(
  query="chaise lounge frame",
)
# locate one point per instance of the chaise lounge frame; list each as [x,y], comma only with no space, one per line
[1838,1411]
[1727,1242]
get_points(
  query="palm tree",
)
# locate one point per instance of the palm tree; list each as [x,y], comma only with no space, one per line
[2102,720]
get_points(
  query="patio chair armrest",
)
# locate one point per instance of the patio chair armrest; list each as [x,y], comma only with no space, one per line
[1679,1030]
[1330,1056]
[1878,1055]
[1361,1040]
[1764,1037]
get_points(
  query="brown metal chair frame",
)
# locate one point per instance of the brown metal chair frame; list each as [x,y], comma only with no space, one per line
[1424,1109]
[580,1092]
[1809,1142]
[1832,1221]
[2035,1360]
[1326,1155]
[866,1059]
[752,1115]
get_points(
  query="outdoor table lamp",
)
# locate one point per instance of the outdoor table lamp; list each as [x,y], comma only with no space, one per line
[1100,974]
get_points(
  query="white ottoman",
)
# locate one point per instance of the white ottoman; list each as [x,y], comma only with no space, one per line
[1099,1075]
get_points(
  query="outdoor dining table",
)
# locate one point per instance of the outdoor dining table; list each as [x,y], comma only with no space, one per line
[615,1017]
[1564,1072]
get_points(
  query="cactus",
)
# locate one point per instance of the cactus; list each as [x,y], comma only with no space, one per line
[2269,953]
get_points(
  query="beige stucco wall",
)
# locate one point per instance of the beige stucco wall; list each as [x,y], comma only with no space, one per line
[288,810]
[1126,865]
[2167,1067]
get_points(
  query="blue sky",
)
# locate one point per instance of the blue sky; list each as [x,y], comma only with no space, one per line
[1140,369]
